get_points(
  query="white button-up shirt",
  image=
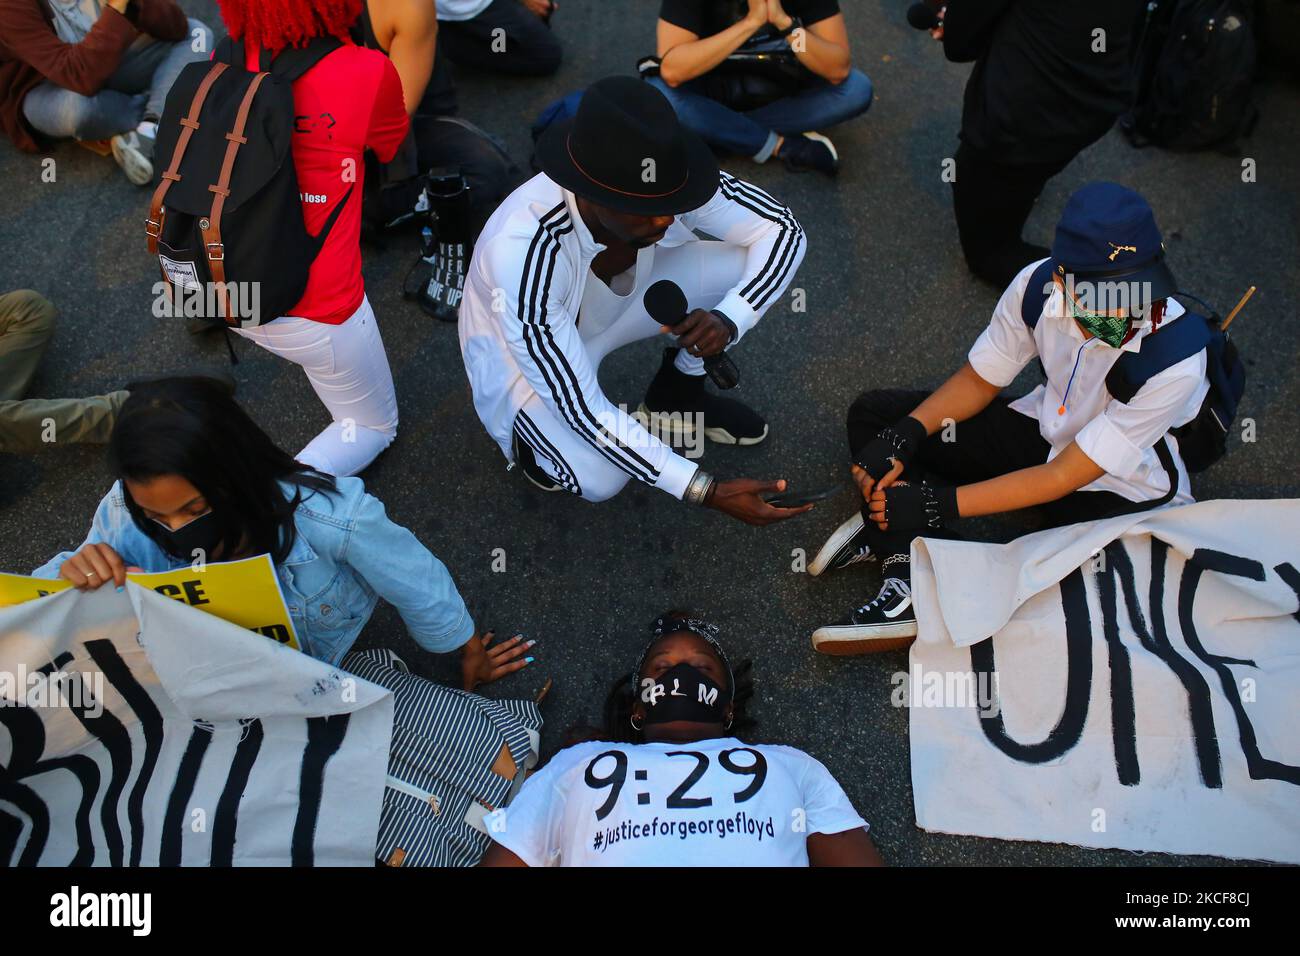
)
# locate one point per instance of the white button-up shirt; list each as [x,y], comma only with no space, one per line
[1075,406]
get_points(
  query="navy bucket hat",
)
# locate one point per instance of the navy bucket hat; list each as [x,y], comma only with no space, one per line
[1107,238]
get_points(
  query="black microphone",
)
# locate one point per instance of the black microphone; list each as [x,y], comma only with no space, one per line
[666,304]
[923,16]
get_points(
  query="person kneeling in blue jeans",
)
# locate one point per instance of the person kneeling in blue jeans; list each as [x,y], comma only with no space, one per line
[696,38]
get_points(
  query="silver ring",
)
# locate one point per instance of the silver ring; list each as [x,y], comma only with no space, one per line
[90,574]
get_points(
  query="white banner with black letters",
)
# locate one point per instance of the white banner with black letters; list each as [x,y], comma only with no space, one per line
[135,730]
[1140,683]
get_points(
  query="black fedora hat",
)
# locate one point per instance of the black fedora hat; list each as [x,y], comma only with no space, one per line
[625,149]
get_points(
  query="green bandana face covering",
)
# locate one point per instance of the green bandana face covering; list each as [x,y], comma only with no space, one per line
[1111,329]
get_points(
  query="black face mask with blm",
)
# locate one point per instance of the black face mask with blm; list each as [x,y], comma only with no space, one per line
[683,692]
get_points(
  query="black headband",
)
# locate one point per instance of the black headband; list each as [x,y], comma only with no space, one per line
[663,626]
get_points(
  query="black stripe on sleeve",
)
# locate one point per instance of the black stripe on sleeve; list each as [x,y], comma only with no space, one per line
[553,364]
[759,290]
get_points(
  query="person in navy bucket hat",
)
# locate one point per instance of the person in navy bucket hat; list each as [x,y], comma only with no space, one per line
[1071,447]
[1107,244]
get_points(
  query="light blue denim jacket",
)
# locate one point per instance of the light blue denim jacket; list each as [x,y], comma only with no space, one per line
[345,557]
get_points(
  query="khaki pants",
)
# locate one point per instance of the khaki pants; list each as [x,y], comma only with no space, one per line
[26,325]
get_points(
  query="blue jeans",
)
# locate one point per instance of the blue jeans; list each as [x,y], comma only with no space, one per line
[755,132]
[138,88]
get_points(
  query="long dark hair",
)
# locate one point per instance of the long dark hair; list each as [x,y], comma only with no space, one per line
[193,428]
[616,718]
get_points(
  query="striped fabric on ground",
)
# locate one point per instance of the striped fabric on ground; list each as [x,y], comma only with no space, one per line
[441,780]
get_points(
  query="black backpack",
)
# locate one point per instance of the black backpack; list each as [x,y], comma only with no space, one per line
[226,220]
[1203,440]
[1195,72]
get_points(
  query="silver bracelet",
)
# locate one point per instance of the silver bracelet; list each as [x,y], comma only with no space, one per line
[698,488]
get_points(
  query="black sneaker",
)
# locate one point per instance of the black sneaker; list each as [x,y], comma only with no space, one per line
[888,623]
[810,151]
[527,463]
[846,545]
[677,404]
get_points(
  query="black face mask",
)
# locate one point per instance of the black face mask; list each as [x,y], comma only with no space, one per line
[683,692]
[200,534]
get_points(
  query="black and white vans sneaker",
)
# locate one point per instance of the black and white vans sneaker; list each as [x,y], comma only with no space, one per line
[677,405]
[887,623]
[846,545]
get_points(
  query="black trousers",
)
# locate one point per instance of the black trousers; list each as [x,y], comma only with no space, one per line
[530,47]
[995,442]
[992,200]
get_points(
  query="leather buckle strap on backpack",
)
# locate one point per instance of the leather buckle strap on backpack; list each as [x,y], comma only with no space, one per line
[210,228]
[232,242]
[153,225]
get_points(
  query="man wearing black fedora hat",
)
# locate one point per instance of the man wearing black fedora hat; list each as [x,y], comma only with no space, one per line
[556,284]
[1125,365]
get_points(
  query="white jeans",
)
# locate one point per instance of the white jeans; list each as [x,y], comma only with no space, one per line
[706,272]
[348,367]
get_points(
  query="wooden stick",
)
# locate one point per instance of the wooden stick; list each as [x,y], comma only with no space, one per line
[1233,314]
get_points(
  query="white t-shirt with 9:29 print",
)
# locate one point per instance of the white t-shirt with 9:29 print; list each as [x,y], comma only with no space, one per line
[716,802]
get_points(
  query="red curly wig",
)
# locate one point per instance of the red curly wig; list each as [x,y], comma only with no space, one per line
[276,24]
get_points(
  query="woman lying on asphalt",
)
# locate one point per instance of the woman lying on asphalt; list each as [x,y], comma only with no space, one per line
[667,784]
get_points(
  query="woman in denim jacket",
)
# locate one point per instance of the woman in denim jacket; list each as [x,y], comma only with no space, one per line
[199,480]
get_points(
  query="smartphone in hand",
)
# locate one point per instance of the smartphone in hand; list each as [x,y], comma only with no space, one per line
[796,499]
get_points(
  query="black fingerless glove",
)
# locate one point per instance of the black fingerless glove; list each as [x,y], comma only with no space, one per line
[900,440]
[916,507]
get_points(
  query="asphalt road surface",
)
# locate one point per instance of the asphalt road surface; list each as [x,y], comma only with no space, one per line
[889,302]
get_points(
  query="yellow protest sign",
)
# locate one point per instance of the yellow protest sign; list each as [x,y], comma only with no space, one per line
[15,588]
[246,593]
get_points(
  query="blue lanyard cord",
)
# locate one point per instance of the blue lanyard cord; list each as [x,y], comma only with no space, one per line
[1077,355]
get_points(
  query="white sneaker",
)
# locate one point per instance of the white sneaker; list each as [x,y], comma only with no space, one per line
[134,153]
[846,545]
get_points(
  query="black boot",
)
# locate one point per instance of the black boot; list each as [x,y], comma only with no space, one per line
[676,404]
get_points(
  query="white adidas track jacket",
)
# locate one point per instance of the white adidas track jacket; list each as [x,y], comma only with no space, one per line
[518,334]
